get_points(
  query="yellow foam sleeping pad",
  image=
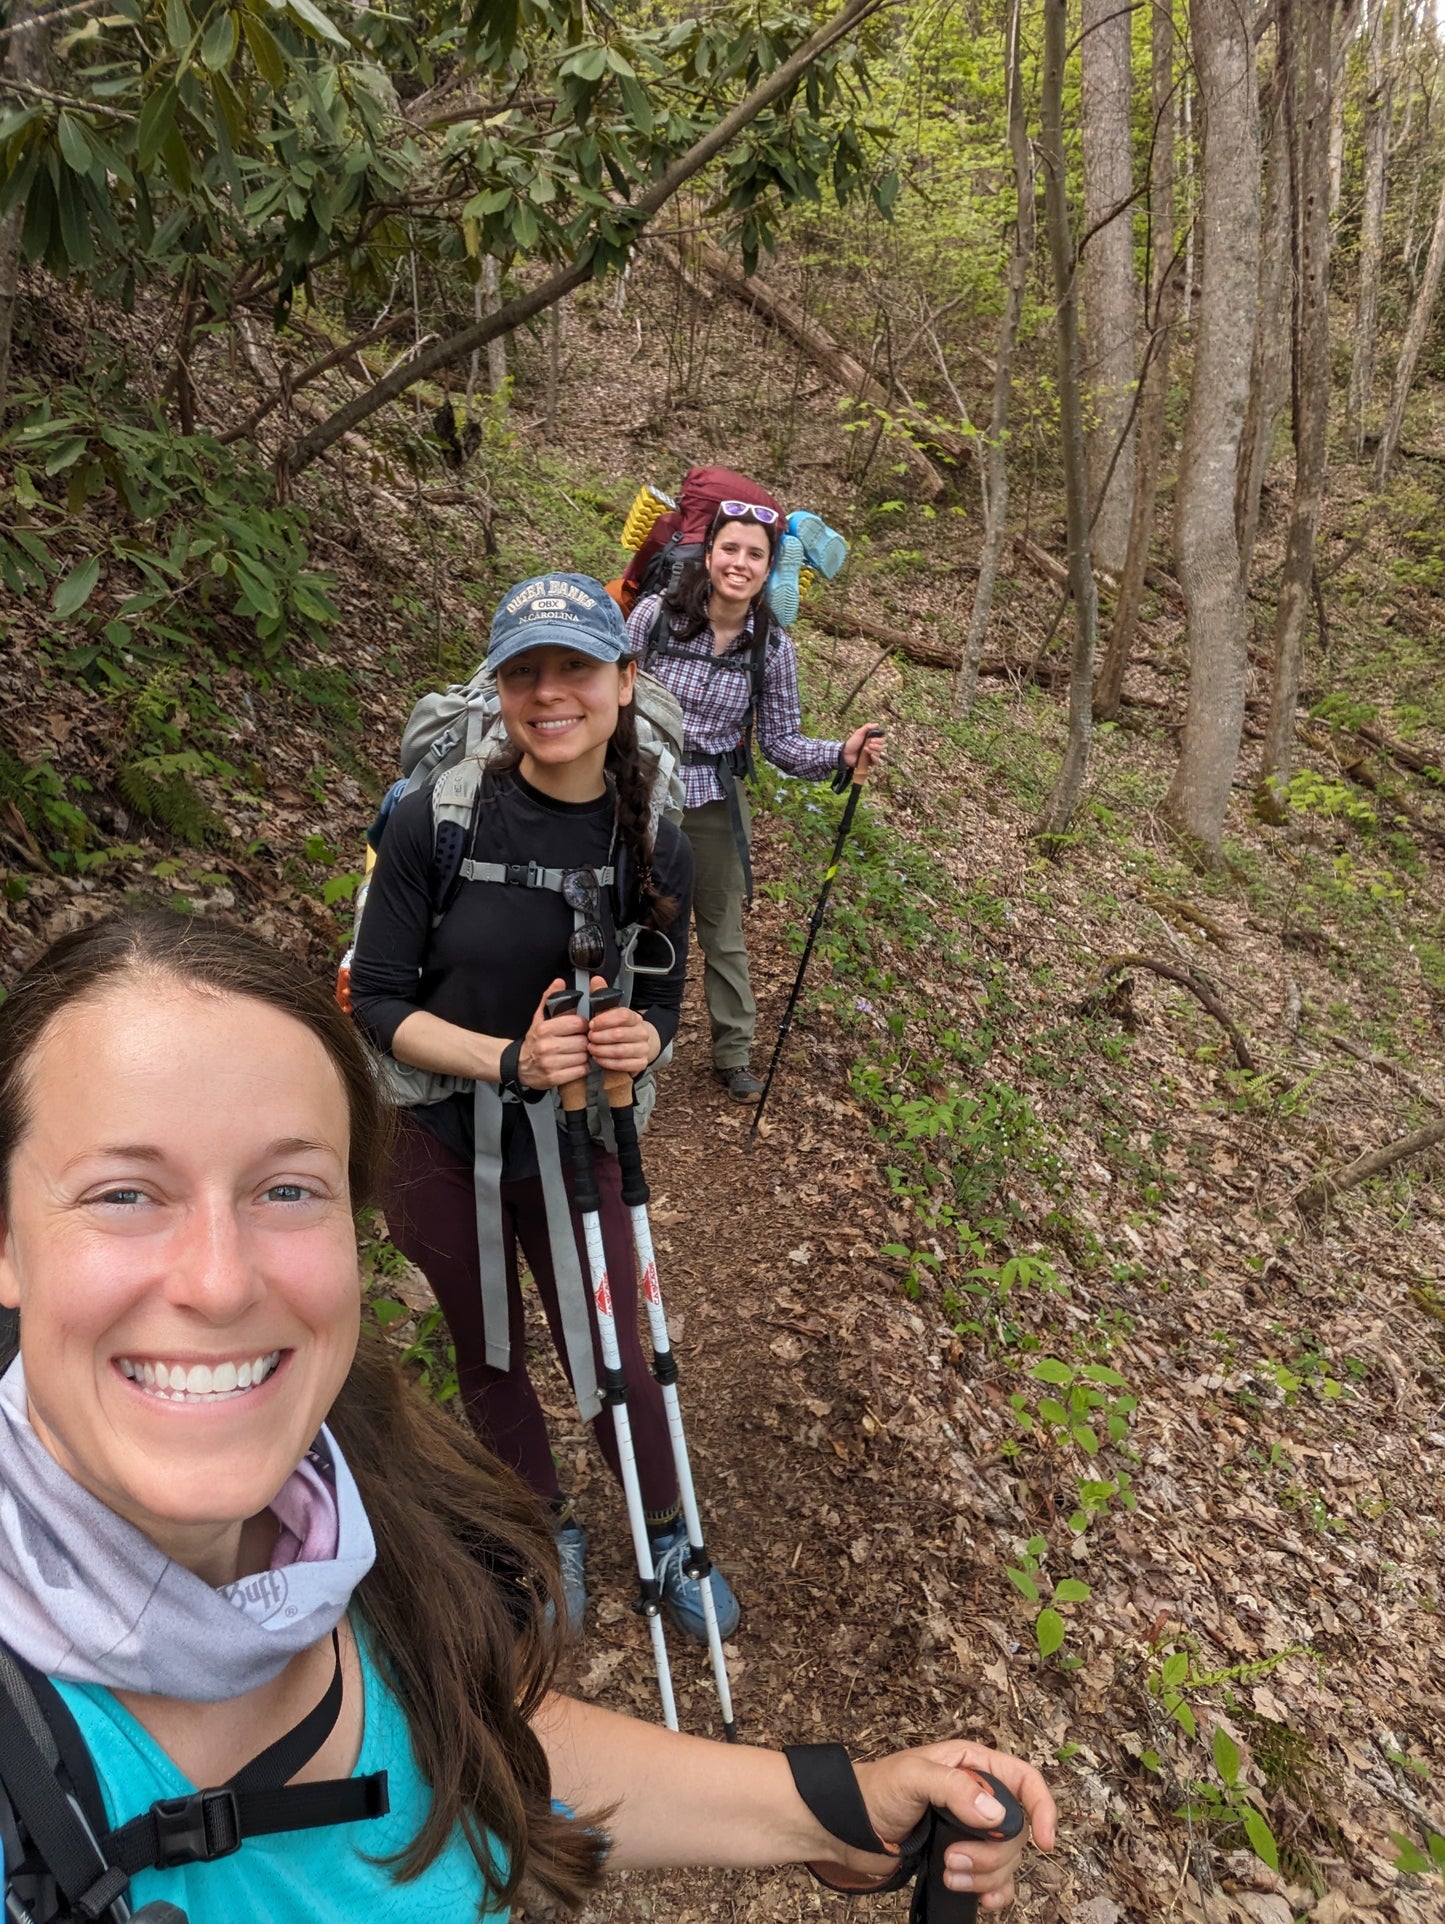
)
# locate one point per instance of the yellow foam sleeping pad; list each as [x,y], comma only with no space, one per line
[649,504]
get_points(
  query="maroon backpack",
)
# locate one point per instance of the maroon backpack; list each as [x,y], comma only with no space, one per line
[675,539]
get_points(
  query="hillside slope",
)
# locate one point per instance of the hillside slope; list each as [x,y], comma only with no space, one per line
[1016,1281]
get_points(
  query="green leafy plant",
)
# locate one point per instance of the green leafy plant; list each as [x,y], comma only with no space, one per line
[1050,1628]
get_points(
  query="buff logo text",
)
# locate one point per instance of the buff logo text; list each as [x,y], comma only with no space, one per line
[260,1596]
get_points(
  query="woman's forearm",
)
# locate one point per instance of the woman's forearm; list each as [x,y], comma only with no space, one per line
[427,1041]
[676,1799]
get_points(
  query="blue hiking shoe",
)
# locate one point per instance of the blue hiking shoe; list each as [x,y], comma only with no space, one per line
[572,1554]
[783,591]
[682,1594]
[824,546]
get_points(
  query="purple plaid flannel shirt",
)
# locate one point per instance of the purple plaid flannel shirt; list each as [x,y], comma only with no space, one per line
[714,691]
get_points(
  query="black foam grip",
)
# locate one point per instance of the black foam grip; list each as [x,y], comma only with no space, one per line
[564,1002]
[933,1902]
[584,1173]
[601,999]
[635,1191]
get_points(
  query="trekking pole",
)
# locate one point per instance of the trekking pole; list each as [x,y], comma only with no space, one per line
[635,1194]
[614,1383]
[860,775]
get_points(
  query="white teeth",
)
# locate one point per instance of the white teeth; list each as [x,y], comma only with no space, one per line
[200,1382]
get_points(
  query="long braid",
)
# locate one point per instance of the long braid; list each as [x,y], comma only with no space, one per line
[634,818]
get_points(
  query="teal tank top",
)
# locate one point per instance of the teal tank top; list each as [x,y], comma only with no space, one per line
[297,1877]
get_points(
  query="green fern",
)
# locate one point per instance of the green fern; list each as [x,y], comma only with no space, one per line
[156,788]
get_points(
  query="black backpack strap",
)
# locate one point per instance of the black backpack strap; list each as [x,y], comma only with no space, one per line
[257,1801]
[39,1740]
[32,1723]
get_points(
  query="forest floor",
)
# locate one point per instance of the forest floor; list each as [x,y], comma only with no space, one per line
[1015,1291]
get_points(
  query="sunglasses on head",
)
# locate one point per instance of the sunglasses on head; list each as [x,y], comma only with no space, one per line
[745,511]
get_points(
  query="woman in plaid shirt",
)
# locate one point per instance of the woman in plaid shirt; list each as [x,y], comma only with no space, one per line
[702,640]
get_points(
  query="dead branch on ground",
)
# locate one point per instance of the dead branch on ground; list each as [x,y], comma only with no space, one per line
[1326,1184]
[1197,984]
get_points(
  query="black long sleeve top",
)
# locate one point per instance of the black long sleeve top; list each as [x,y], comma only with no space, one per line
[485,964]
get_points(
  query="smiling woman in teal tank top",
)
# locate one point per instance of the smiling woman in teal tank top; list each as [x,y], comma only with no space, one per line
[303,1625]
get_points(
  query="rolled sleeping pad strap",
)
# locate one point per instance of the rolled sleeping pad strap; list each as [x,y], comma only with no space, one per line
[828,1785]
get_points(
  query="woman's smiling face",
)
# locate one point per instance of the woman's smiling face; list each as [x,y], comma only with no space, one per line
[177,1236]
[738,560]
[560,708]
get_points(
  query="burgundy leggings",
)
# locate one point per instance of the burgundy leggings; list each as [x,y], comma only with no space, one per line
[431,1216]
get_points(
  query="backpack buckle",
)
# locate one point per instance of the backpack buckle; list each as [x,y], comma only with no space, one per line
[521,875]
[196,1829]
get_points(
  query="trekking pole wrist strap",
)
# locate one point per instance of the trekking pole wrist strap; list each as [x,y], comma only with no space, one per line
[828,1785]
[824,1777]
[509,1075]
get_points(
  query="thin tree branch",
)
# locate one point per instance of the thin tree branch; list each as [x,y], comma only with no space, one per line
[513,314]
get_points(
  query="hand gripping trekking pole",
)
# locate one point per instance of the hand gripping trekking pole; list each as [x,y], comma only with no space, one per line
[664,1367]
[855,790]
[614,1383]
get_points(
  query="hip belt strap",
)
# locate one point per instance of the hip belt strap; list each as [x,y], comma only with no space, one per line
[728,765]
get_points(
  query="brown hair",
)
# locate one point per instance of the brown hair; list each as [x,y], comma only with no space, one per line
[465,1581]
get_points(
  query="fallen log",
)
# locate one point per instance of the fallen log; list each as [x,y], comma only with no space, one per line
[820,347]
[1196,983]
[1326,1184]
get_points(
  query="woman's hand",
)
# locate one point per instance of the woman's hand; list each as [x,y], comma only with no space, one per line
[866,742]
[554,1049]
[899,1789]
[620,1041]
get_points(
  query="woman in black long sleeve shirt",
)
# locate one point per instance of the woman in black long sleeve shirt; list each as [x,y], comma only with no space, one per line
[461,995]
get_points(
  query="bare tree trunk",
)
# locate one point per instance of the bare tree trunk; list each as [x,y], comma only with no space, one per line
[1311,335]
[1372,223]
[491,301]
[24,60]
[1270,363]
[1186,118]
[1106,277]
[1206,543]
[1165,291]
[1059,808]
[993,461]
[1410,348]
[1348,20]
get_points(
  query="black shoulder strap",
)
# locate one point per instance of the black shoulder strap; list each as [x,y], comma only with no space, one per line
[39,1738]
[32,1722]
[760,661]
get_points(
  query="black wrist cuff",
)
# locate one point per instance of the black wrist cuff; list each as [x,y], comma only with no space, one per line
[842,774]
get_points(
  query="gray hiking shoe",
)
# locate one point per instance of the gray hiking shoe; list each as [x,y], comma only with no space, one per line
[740,1082]
[682,1594]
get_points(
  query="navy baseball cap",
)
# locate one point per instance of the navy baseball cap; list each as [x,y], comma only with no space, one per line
[558,611]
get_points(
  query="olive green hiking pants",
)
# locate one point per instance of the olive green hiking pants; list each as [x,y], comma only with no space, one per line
[717,913]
